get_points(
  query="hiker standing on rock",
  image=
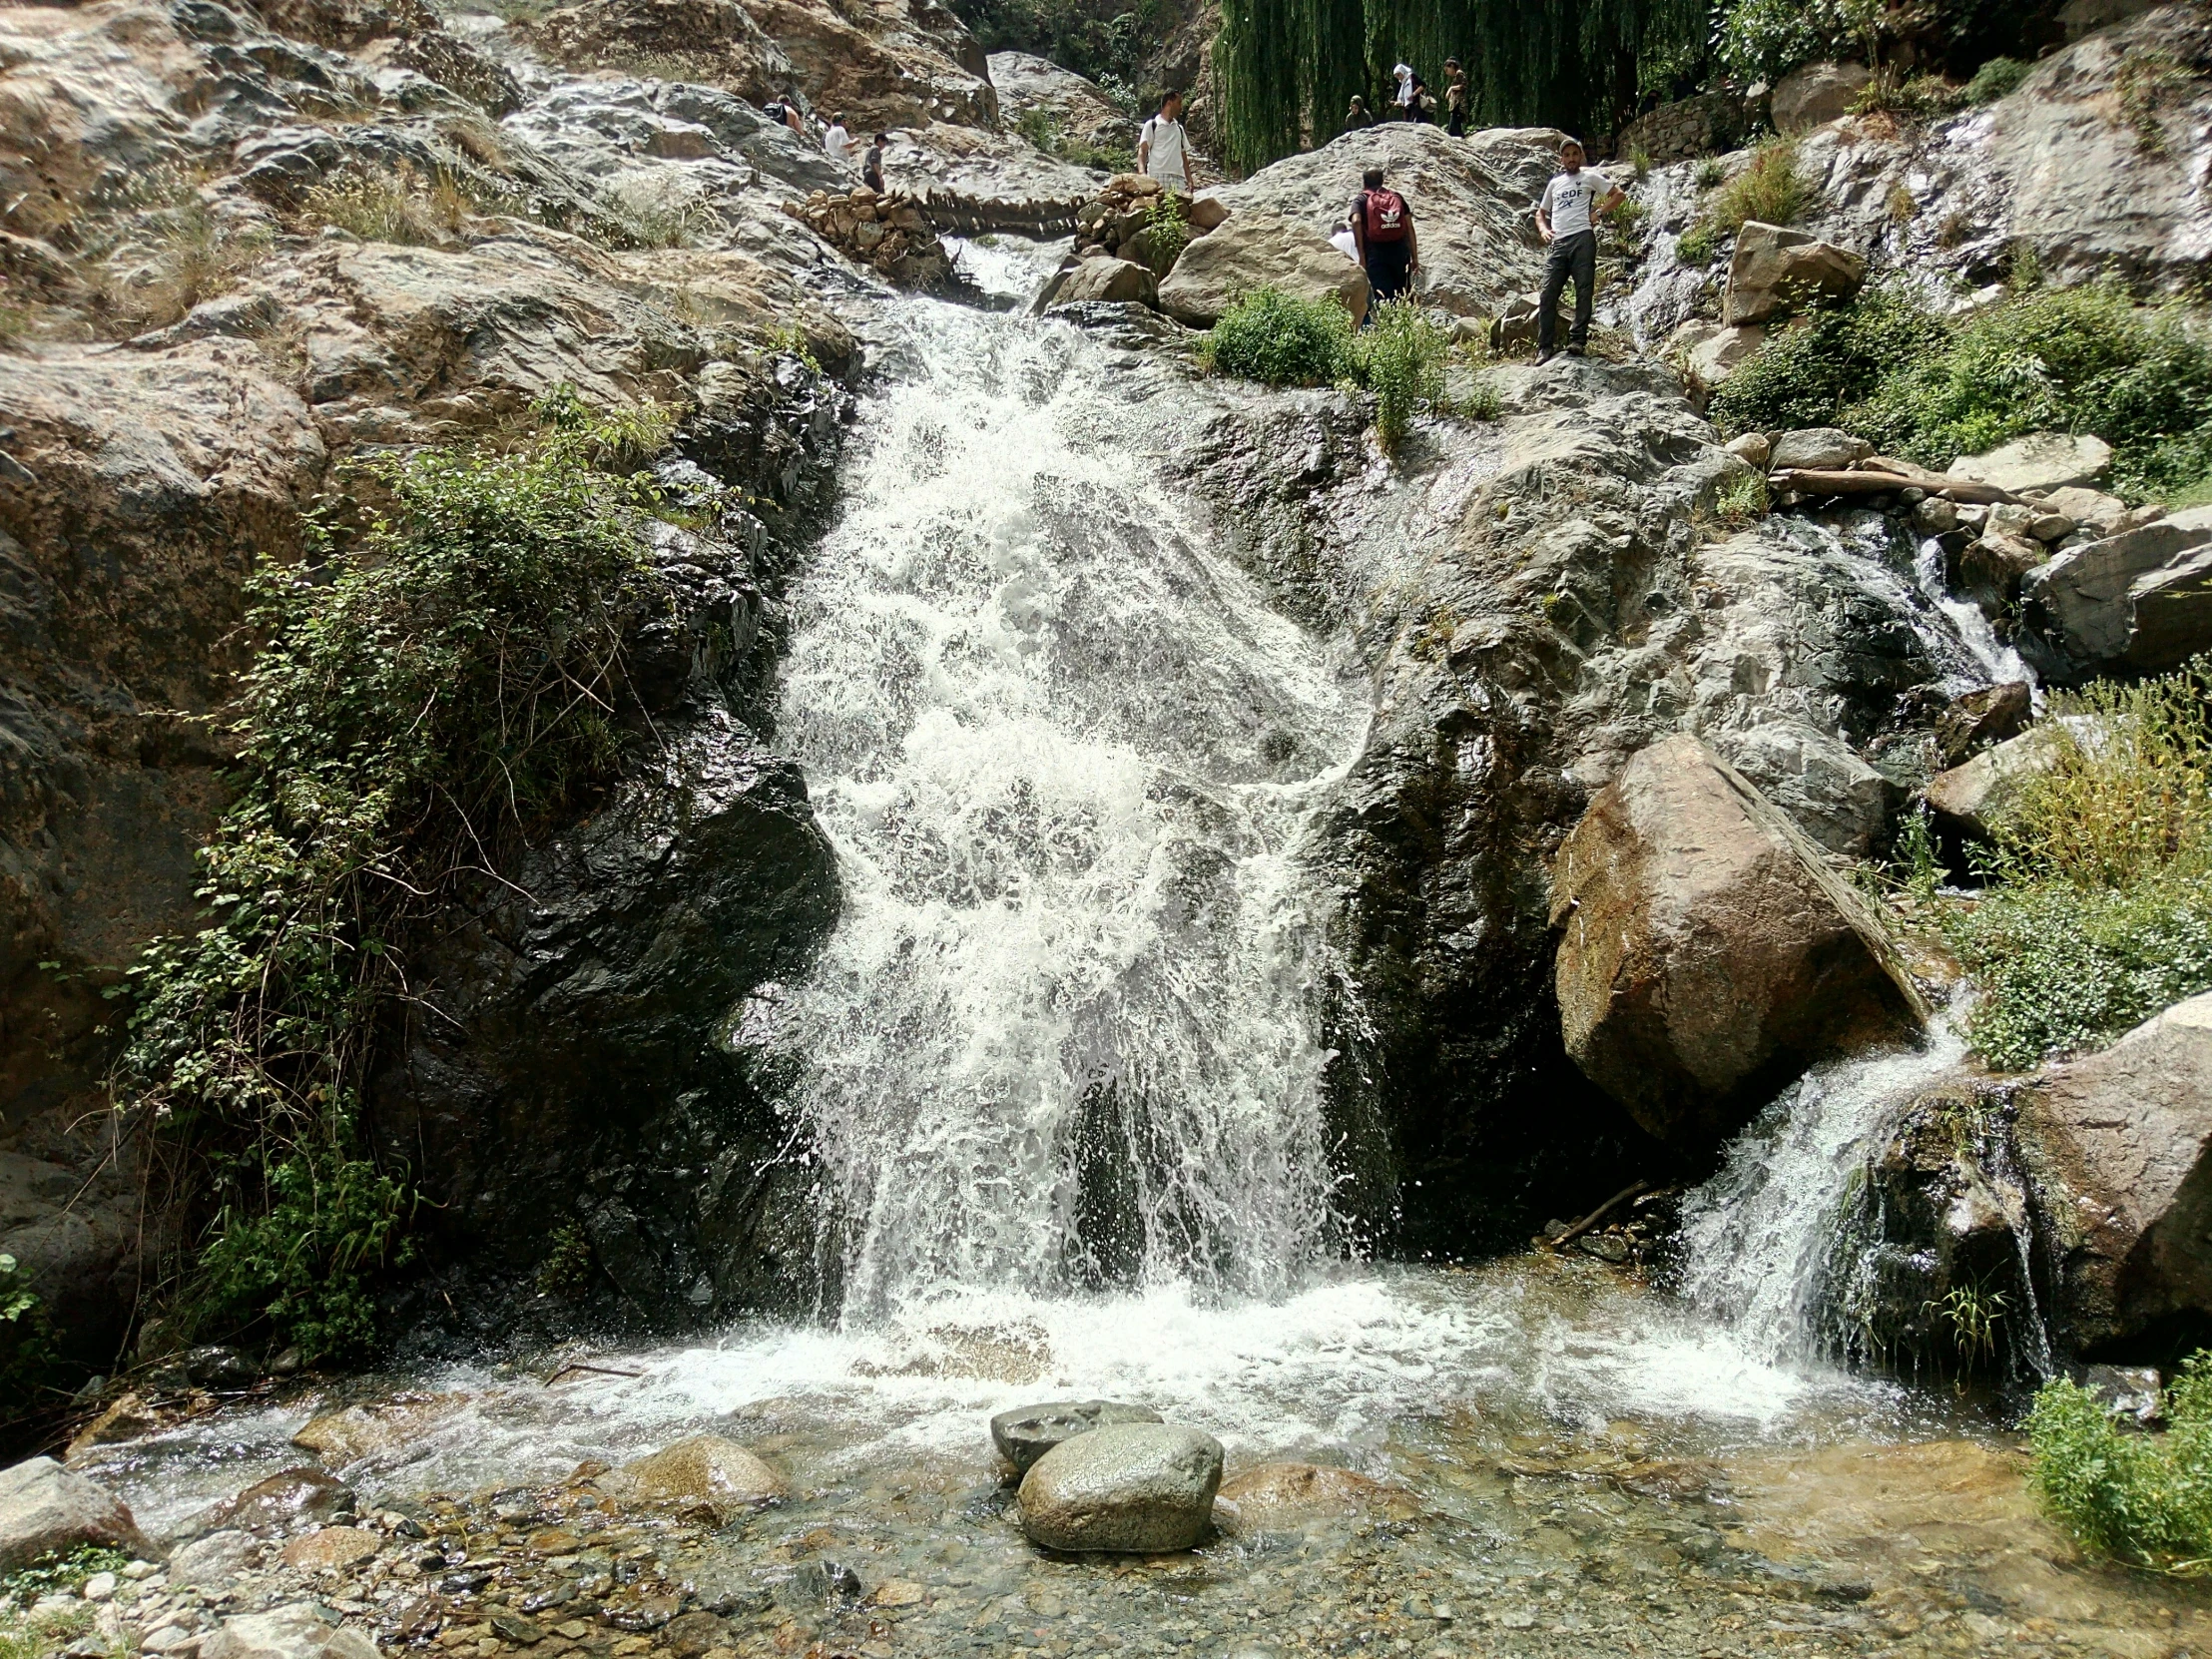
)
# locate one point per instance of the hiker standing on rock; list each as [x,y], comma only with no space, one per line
[1357,116]
[871,164]
[1382,231]
[1455,99]
[1566,218]
[1163,150]
[1408,93]
[836,141]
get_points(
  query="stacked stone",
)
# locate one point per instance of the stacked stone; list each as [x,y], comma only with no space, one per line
[1113,220]
[887,233]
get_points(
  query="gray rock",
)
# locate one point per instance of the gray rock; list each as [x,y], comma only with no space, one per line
[1815,448]
[299,1631]
[1136,1488]
[214,1560]
[1254,251]
[45,1509]
[2039,461]
[1113,281]
[1827,791]
[1815,94]
[1752,449]
[2139,601]
[1027,1433]
[2120,1142]
[1971,798]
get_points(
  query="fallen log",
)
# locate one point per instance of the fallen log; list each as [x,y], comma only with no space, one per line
[1807,482]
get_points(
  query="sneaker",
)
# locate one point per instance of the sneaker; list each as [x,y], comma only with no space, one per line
[1543,357]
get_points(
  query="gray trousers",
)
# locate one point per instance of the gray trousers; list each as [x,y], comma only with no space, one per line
[1576,256]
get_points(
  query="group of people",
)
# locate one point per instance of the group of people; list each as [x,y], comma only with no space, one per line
[837,141]
[1416,100]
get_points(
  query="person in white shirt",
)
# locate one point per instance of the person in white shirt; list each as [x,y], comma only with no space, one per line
[1163,151]
[1566,218]
[1406,98]
[837,140]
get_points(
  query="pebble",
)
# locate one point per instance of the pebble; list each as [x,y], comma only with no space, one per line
[99,1588]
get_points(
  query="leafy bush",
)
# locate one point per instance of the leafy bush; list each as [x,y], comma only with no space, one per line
[26,1350]
[2142,1498]
[1769,189]
[1270,336]
[1822,365]
[1998,78]
[2081,359]
[1400,357]
[1166,230]
[1042,129]
[2101,909]
[1763,40]
[441,688]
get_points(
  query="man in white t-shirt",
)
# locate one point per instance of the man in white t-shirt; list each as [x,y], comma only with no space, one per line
[1163,151]
[1566,218]
[837,140]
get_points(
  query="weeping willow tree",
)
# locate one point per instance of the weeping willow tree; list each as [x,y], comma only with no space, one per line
[1286,69]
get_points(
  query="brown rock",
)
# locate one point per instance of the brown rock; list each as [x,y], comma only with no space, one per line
[357,1432]
[1254,251]
[299,1494]
[1973,798]
[45,1510]
[706,1472]
[1276,1493]
[1775,271]
[2121,1144]
[1980,717]
[333,1546]
[1109,280]
[1816,94]
[125,1419]
[1208,214]
[695,1634]
[1708,951]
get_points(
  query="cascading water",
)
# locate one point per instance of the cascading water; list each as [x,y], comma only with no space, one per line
[1065,1032]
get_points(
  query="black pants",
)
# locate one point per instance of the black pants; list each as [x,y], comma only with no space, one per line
[1387,272]
[1574,257]
[1456,124]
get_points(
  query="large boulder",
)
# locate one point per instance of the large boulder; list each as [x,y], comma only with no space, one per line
[1815,94]
[2134,603]
[1821,786]
[1027,1433]
[1707,950]
[1073,107]
[1815,448]
[2120,1143]
[1139,1487]
[1107,279]
[299,1631]
[1776,270]
[46,1509]
[1473,201]
[2039,461]
[1254,251]
[1971,798]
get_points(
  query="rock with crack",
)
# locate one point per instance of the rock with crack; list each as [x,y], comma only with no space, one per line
[1253,251]
[1776,270]
[1114,280]
[1707,952]
[1070,106]
[2120,1143]
[1137,1488]
[1816,94]
[2138,602]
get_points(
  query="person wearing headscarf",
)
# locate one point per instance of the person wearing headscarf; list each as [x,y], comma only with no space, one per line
[1408,93]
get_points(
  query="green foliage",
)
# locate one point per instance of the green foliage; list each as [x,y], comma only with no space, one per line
[27,1359]
[1998,78]
[1042,129]
[2100,912]
[1698,244]
[1270,336]
[1400,356]
[566,1270]
[1817,367]
[1711,172]
[1740,500]
[446,685]
[1763,40]
[1105,40]
[1284,69]
[2141,1499]
[55,1572]
[1166,230]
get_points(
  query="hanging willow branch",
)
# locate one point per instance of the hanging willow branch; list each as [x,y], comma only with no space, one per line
[1287,68]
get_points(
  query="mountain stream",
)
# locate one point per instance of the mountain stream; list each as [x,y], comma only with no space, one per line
[1060,1069]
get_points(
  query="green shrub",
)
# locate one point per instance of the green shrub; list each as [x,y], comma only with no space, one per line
[1763,40]
[2081,359]
[1998,78]
[1400,357]
[1769,189]
[1166,230]
[1711,172]
[1270,336]
[2100,909]
[2141,1499]
[1811,372]
[439,689]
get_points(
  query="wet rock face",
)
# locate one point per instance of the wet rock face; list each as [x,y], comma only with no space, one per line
[1026,1434]
[2120,1143]
[1705,952]
[1140,1489]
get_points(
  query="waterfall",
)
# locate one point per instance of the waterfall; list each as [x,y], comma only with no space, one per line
[1064,1034]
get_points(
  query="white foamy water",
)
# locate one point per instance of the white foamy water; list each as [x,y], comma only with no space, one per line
[1757,1238]
[1065,1033]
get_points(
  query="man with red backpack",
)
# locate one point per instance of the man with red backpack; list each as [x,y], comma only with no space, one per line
[1382,231]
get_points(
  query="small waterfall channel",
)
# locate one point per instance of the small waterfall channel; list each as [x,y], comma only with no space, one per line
[1066,1033]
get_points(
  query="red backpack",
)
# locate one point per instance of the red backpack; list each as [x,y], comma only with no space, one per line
[1386,215]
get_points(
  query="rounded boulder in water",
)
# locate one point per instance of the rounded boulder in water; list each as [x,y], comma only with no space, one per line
[1139,1487]
[1027,1433]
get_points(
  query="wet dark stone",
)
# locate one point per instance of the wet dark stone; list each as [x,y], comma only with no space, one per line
[825,1584]
[1027,1433]
[303,1493]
